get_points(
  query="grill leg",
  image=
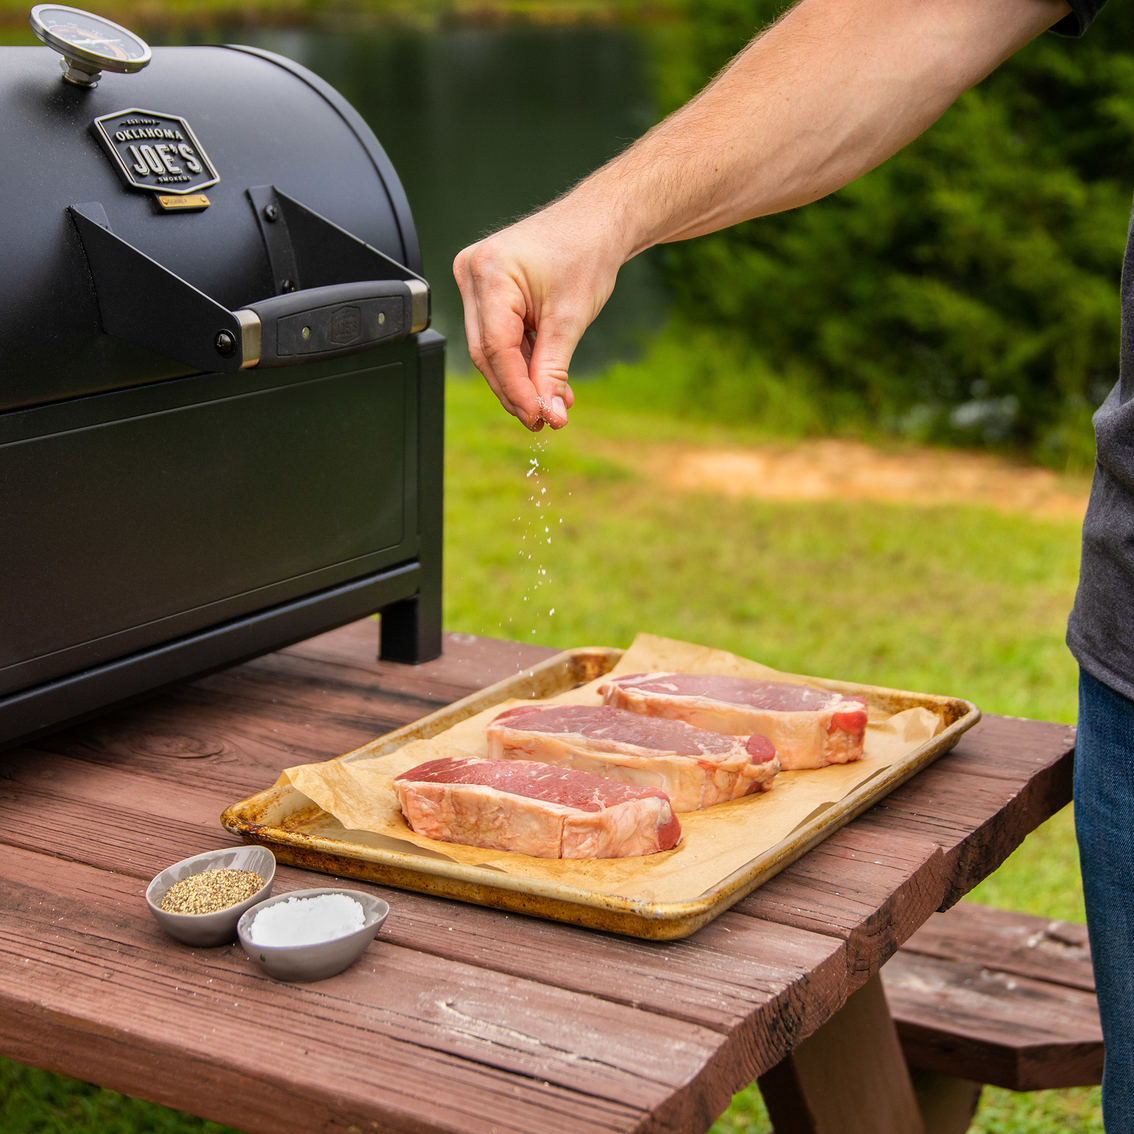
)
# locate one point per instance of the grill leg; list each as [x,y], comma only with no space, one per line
[411,630]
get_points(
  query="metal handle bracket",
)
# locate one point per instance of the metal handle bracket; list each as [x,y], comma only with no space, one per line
[369,298]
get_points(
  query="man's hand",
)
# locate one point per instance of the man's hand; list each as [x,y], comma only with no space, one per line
[530,292]
[828,92]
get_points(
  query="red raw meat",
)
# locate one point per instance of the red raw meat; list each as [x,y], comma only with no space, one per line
[695,768]
[534,808]
[810,728]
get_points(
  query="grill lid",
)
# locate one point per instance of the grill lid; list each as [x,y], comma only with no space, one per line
[223,209]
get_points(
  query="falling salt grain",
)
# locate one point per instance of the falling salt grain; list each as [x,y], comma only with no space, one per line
[307,921]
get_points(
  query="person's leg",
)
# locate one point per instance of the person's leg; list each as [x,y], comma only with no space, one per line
[1104,824]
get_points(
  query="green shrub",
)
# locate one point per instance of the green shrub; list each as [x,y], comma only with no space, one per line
[968,289]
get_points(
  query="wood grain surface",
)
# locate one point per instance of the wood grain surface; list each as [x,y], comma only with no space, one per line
[1038,947]
[993,1026]
[457,1018]
[1004,997]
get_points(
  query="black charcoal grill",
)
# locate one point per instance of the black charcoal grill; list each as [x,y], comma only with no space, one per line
[220,408]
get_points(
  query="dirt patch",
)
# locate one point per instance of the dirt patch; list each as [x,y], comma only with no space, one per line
[850,470]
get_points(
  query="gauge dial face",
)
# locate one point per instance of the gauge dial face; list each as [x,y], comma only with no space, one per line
[84,36]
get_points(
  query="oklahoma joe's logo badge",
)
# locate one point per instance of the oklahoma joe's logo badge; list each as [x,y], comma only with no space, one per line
[155,151]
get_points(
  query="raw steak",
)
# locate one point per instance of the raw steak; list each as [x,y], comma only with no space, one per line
[533,808]
[693,767]
[810,728]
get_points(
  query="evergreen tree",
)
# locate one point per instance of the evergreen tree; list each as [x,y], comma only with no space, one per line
[966,290]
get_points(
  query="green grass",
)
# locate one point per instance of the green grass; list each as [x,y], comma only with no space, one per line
[957,600]
[953,600]
[37,1102]
[1074,1111]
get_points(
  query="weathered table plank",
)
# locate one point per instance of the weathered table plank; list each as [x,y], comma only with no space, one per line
[716,979]
[764,986]
[978,820]
[458,1018]
[312,701]
[870,890]
[736,967]
[994,1026]
[87,982]
[1054,951]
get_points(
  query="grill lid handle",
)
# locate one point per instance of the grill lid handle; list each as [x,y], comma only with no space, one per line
[322,322]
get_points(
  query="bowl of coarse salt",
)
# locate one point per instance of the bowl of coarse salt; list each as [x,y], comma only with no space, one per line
[310,934]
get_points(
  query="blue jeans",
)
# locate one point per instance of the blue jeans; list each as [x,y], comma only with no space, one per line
[1104,824]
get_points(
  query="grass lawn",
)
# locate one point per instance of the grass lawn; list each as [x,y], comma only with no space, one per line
[954,600]
[959,600]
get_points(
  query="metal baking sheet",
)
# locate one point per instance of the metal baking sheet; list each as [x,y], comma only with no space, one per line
[301,834]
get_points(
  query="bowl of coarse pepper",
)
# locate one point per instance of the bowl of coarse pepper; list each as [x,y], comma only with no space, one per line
[199,900]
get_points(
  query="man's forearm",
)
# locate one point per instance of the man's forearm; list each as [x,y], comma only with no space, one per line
[828,92]
[831,90]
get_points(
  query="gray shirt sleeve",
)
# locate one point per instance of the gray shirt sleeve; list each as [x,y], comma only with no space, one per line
[1082,13]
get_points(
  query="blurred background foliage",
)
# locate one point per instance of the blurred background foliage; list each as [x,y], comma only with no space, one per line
[356,15]
[967,291]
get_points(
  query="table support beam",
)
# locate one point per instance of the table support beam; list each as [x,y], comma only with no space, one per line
[849,1077]
[947,1104]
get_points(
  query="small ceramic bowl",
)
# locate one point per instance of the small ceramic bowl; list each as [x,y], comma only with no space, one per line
[313,962]
[212,928]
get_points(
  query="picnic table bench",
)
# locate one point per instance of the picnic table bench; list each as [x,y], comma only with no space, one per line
[461,1018]
[982,995]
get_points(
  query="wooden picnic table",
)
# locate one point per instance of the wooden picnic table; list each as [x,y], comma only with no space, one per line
[460,1018]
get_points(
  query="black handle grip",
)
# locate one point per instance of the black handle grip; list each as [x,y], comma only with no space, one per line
[324,322]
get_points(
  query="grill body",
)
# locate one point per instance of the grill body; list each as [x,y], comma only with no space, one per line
[167,507]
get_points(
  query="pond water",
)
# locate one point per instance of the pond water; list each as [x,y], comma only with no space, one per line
[484,124]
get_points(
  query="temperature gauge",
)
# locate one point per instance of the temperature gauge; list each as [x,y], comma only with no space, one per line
[89,44]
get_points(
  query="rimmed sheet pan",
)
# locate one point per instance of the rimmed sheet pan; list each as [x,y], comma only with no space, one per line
[301,833]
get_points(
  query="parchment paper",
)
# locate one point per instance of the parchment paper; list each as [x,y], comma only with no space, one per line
[357,791]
